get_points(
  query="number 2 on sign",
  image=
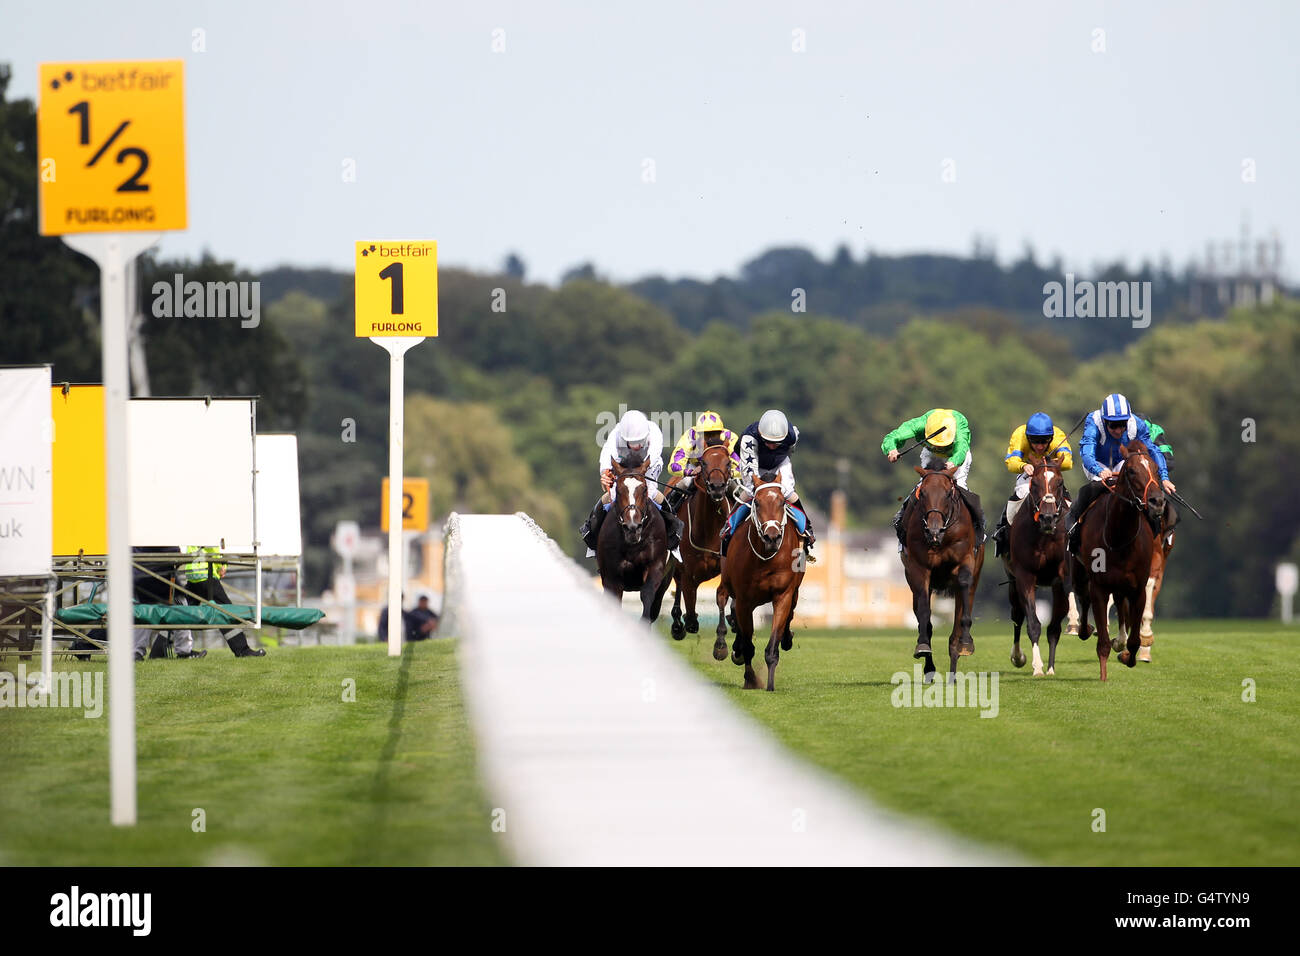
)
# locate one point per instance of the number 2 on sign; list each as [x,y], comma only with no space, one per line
[394,272]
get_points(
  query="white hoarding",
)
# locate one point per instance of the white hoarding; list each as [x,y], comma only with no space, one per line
[26,472]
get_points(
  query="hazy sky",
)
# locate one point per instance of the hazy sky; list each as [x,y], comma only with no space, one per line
[1133,152]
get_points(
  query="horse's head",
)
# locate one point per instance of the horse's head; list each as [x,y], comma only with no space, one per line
[1046,495]
[632,501]
[937,496]
[715,470]
[1139,481]
[768,512]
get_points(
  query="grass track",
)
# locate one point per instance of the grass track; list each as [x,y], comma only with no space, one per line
[286,771]
[1187,773]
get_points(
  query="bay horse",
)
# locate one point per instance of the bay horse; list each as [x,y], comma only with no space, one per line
[1116,546]
[630,551]
[1036,558]
[704,516]
[767,565]
[941,554]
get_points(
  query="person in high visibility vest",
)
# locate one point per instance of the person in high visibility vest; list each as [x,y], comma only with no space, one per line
[204,575]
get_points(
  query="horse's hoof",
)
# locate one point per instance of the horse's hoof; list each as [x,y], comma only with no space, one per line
[737,659]
[966,648]
[720,651]
[1129,660]
[1018,657]
[921,650]
[693,625]
[678,632]
[928,678]
[1144,655]
[1038,672]
[1117,645]
[1051,672]
[1072,629]
[787,641]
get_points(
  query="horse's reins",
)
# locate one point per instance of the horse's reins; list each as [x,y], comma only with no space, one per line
[690,524]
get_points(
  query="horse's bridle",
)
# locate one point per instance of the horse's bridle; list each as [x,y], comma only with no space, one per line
[1139,502]
[1047,496]
[631,505]
[753,519]
[950,512]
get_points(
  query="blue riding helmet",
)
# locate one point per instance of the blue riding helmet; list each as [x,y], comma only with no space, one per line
[1115,408]
[1040,426]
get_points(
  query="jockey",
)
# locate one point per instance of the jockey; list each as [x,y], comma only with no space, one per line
[1033,443]
[684,464]
[764,447]
[946,434]
[634,439]
[1104,431]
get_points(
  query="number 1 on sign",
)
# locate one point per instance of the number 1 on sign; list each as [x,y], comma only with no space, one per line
[394,272]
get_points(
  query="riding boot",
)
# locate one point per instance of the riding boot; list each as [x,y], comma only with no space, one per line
[898,522]
[809,536]
[673,526]
[673,498]
[590,530]
[1000,535]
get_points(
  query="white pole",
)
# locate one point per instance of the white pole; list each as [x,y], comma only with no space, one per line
[47,638]
[396,347]
[112,253]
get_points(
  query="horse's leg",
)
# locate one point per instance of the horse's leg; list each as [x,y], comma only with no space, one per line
[1017,619]
[1079,590]
[742,648]
[1027,584]
[918,579]
[1154,581]
[1098,598]
[965,608]
[678,631]
[1060,608]
[787,639]
[650,595]
[1136,601]
[720,641]
[690,585]
[780,622]
[1073,625]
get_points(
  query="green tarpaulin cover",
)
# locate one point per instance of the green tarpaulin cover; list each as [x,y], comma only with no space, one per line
[153,615]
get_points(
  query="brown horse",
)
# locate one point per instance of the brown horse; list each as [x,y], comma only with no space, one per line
[1036,558]
[941,554]
[1155,581]
[767,565]
[704,516]
[1116,545]
[630,551]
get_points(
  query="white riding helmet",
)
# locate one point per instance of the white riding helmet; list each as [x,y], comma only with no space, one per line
[773,426]
[634,427]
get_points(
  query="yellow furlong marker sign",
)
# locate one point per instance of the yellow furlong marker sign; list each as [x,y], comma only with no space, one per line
[397,289]
[111,142]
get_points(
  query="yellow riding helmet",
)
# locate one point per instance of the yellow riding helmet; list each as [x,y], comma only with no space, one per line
[709,422]
[943,421]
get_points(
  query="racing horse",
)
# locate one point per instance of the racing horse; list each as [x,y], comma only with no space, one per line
[630,551]
[942,553]
[1156,580]
[768,565]
[1036,558]
[1116,546]
[704,516]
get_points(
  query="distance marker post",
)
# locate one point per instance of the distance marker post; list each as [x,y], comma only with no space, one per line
[111,148]
[396,292]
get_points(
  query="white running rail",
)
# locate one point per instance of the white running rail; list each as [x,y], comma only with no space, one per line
[600,746]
